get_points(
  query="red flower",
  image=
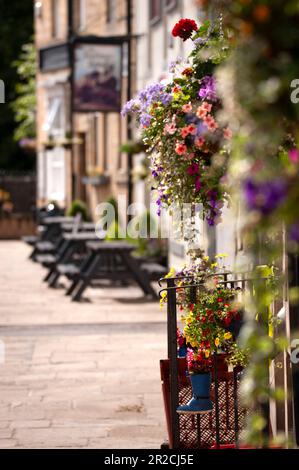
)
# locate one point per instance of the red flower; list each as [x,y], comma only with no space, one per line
[188,71]
[220,300]
[184,29]
[191,307]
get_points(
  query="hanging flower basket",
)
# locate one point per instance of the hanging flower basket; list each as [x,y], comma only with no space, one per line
[179,122]
[100,180]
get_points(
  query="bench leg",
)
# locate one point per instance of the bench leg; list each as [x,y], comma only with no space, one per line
[48,276]
[54,279]
[82,285]
[140,277]
[72,287]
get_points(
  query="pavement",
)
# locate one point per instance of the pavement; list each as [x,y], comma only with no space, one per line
[77,375]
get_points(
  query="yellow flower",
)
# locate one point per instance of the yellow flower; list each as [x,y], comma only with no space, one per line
[170,274]
[189,320]
[163,299]
[214,265]
[193,344]
[206,258]
[221,255]
[217,342]
[207,353]
[227,335]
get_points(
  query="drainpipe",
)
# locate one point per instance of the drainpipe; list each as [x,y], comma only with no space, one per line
[72,125]
[129,96]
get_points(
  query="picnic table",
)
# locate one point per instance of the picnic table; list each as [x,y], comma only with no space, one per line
[83,227]
[72,245]
[58,220]
[113,261]
[51,241]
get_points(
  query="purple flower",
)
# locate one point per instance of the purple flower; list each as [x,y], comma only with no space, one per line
[199,41]
[193,169]
[145,120]
[172,66]
[166,99]
[197,184]
[208,88]
[264,197]
[201,129]
[131,106]
[191,118]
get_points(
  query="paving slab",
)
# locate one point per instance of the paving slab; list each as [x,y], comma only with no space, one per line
[77,375]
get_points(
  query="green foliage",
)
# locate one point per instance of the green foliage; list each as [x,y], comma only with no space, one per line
[257,96]
[78,207]
[114,232]
[134,147]
[113,202]
[16,30]
[24,106]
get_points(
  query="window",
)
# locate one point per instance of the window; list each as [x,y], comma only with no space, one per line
[155,10]
[55,18]
[111,6]
[170,4]
[79,14]
[55,171]
[54,124]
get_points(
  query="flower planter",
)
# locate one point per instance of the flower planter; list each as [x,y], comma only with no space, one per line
[199,431]
[49,146]
[101,180]
[182,351]
[200,402]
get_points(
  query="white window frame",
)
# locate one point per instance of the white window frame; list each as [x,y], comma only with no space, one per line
[55,188]
[55,18]
[82,14]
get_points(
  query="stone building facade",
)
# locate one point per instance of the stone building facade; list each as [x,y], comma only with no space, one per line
[64,171]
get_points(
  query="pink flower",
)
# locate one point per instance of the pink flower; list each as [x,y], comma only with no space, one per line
[294,155]
[199,142]
[185,132]
[210,123]
[227,133]
[197,184]
[180,148]
[187,108]
[192,129]
[193,169]
[212,126]
[206,106]
[190,156]
[170,129]
[208,119]
[203,110]
[201,113]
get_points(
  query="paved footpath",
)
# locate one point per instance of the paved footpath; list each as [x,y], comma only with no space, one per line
[77,375]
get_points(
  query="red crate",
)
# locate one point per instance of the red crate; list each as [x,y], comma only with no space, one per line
[199,431]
